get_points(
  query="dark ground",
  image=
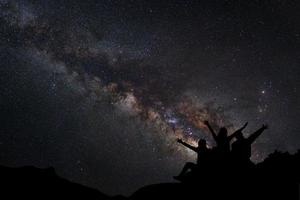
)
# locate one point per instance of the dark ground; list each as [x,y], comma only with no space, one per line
[277,177]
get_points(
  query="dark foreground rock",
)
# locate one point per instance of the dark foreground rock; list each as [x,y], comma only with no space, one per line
[278,177]
[34,183]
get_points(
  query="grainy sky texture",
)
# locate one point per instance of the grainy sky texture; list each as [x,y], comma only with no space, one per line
[100,90]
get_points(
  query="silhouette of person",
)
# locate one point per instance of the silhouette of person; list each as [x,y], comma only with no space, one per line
[202,156]
[222,139]
[241,148]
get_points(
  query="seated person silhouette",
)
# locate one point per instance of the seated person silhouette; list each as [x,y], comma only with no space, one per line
[202,156]
[241,148]
[222,139]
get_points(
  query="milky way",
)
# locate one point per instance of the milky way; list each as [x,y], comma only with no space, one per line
[101,90]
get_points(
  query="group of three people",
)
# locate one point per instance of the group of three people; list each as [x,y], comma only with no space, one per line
[240,151]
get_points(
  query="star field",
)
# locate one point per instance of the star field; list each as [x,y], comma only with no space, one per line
[100,90]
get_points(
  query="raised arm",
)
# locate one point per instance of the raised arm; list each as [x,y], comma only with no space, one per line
[257,133]
[237,131]
[211,130]
[187,145]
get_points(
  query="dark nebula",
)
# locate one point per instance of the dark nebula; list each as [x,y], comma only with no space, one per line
[100,90]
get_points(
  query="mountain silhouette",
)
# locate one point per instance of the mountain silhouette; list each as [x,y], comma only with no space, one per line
[277,177]
[34,183]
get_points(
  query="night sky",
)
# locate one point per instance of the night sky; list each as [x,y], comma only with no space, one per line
[100,90]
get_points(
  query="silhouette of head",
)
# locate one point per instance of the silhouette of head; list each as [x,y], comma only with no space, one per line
[222,132]
[239,135]
[202,143]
